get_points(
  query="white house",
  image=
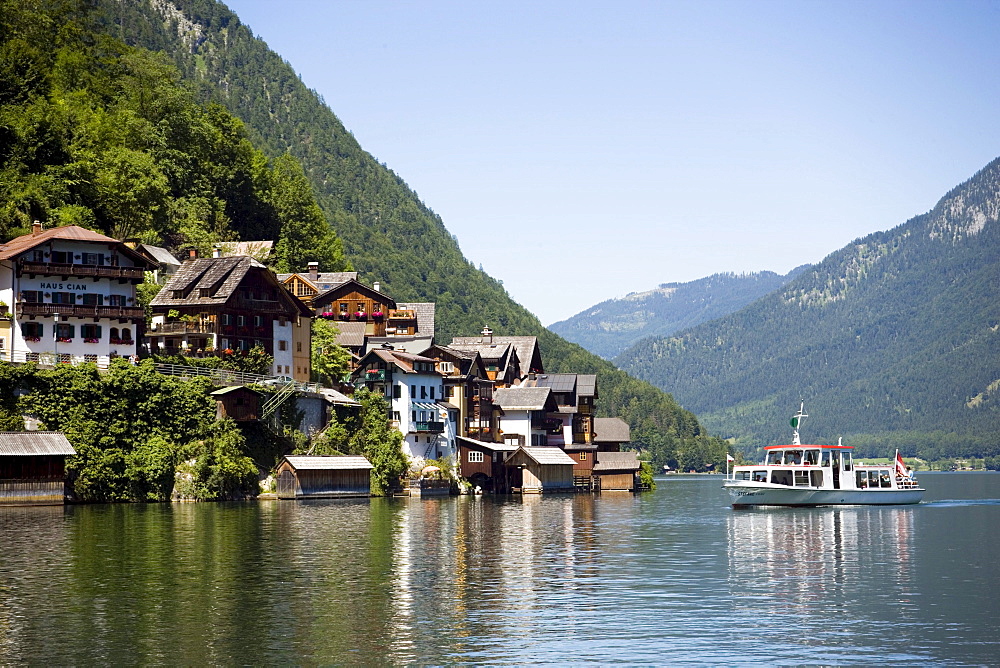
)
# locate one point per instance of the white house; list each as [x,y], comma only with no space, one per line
[523,415]
[415,392]
[71,296]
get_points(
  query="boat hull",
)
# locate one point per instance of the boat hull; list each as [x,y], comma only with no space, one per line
[742,495]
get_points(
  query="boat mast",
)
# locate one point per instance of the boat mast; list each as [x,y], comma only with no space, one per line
[796,421]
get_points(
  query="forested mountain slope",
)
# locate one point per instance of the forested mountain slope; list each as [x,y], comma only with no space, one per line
[892,341]
[613,325]
[388,234]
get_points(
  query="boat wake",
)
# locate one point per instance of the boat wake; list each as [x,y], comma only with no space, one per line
[951,503]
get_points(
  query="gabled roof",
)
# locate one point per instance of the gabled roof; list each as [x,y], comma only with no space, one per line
[617,461]
[327,463]
[20,443]
[469,361]
[221,277]
[559,382]
[528,353]
[401,360]
[323,281]
[159,255]
[232,388]
[26,242]
[494,447]
[524,398]
[352,285]
[611,430]
[547,455]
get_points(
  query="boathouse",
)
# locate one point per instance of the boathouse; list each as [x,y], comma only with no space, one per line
[323,477]
[33,468]
[617,471]
[541,469]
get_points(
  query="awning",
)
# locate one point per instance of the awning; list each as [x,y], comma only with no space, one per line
[424,406]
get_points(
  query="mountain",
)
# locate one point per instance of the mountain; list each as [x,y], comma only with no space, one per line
[129,68]
[613,325]
[892,341]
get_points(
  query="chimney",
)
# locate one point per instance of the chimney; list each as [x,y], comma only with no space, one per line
[36,228]
[193,253]
[313,271]
[377,286]
[487,334]
[216,251]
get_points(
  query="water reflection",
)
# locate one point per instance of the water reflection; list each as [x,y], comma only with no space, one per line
[814,562]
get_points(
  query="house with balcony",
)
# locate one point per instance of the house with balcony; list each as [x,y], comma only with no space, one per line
[214,305]
[68,295]
[469,390]
[524,415]
[414,388]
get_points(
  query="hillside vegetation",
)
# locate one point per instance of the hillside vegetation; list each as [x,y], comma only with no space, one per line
[616,324]
[892,341]
[170,122]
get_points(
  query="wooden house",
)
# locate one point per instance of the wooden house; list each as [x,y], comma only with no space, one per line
[468,390]
[33,468]
[482,462]
[540,469]
[353,301]
[617,470]
[610,434]
[231,304]
[528,355]
[238,403]
[307,477]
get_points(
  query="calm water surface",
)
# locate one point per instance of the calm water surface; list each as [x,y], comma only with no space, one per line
[674,576]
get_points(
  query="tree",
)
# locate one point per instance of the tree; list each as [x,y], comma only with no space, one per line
[379,442]
[330,362]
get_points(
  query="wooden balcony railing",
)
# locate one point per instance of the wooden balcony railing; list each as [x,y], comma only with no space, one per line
[402,314]
[185,328]
[92,270]
[80,311]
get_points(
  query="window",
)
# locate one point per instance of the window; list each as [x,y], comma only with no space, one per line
[475,456]
[177,294]
[241,320]
[343,307]
[32,296]
[760,476]
[93,258]
[583,456]
[65,331]
[126,334]
[282,321]
[62,257]
[258,321]
[32,330]
[37,256]
[91,333]
[227,319]
[93,300]
[282,345]
[63,298]
[423,391]
[116,300]
[298,346]
[446,367]
[205,292]
[432,394]
[397,391]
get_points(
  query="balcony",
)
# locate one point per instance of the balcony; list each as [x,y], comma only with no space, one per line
[373,375]
[88,270]
[185,328]
[81,311]
[402,314]
[427,427]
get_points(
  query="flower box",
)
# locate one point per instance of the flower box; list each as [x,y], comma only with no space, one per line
[33,339]
[63,339]
[91,340]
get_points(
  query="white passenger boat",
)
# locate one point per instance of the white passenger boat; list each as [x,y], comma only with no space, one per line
[819,475]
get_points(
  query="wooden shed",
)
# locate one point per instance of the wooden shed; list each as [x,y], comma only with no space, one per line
[327,477]
[237,402]
[617,470]
[482,463]
[33,468]
[542,469]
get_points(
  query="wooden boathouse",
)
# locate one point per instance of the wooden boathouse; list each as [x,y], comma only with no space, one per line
[541,469]
[323,477]
[33,468]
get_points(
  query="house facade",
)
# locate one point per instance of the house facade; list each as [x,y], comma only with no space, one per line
[69,296]
[211,305]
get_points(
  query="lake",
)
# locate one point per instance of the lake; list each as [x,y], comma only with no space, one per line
[672,576]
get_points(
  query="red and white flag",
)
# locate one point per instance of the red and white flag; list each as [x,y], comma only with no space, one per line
[900,465]
[730,458]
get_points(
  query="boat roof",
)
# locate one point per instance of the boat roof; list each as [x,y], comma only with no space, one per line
[801,447]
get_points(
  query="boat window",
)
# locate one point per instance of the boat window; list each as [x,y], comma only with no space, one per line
[828,458]
[802,478]
[774,457]
[884,479]
[760,476]
[781,477]
[816,478]
[862,480]
[793,456]
[740,475]
[812,457]
[847,461]
[836,458]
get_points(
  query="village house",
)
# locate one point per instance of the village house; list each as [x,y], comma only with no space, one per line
[164,263]
[413,387]
[508,359]
[524,415]
[468,390]
[214,305]
[33,467]
[71,293]
[307,285]
[482,463]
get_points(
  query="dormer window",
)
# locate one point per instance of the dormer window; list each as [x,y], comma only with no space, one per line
[204,292]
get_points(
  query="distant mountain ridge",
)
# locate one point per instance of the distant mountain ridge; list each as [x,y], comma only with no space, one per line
[610,327]
[892,341]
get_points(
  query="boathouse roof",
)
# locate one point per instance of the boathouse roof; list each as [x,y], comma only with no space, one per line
[327,463]
[616,461]
[20,443]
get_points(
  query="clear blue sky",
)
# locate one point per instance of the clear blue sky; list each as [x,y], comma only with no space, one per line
[583,150]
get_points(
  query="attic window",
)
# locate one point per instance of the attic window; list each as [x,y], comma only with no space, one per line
[177,294]
[204,292]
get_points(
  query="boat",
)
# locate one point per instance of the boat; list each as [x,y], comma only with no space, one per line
[819,475]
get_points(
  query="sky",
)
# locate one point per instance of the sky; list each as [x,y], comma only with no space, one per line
[580,151]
